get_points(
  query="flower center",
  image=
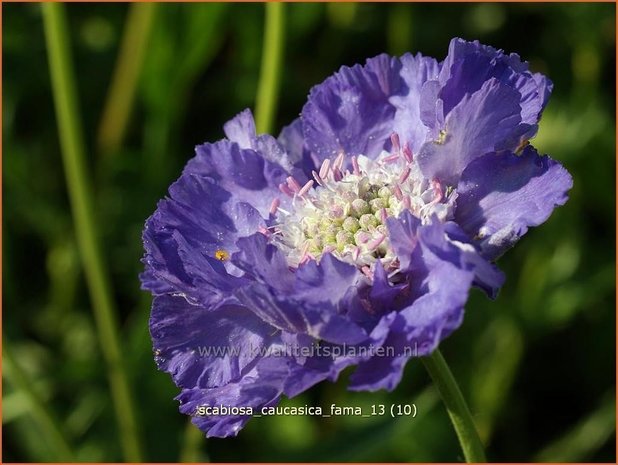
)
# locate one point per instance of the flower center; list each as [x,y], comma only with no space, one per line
[346,212]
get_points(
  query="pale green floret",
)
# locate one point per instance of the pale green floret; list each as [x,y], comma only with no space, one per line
[325,223]
[377,205]
[344,238]
[368,221]
[350,224]
[336,213]
[349,196]
[360,208]
[330,233]
[384,193]
[346,215]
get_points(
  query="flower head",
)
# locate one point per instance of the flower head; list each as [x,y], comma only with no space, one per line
[277,263]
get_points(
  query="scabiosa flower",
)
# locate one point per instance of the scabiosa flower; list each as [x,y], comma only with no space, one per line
[363,226]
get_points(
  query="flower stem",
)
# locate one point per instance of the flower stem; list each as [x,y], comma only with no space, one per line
[270,74]
[192,450]
[124,82]
[81,198]
[456,406]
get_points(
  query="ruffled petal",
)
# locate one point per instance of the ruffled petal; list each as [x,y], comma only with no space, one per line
[293,142]
[261,387]
[184,235]
[350,111]
[244,173]
[469,64]
[204,348]
[332,359]
[283,298]
[241,129]
[428,318]
[502,195]
[487,276]
[416,71]
[485,121]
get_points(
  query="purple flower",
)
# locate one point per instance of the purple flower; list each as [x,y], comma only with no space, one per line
[354,238]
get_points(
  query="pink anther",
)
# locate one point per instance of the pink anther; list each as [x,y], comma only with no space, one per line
[355,166]
[325,168]
[404,176]
[338,163]
[407,153]
[293,184]
[367,271]
[274,206]
[317,178]
[395,142]
[286,190]
[390,159]
[375,243]
[305,188]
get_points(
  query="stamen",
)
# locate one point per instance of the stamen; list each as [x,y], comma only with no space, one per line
[325,168]
[395,142]
[339,161]
[355,166]
[305,188]
[404,176]
[285,212]
[286,190]
[274,205]
[317,178]
[345,212]
[293,184]
[391,158]
[367,271]
[407,153]
[374,244]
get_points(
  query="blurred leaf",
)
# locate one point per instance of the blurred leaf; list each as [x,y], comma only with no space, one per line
[497,356]
[585,438]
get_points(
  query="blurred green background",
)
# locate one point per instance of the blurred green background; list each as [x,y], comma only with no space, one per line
[537,365]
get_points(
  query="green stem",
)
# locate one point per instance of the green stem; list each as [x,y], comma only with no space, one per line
[81,198]
[46,419]
[192,447]
[124,82]
[456,407]
[270,74]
